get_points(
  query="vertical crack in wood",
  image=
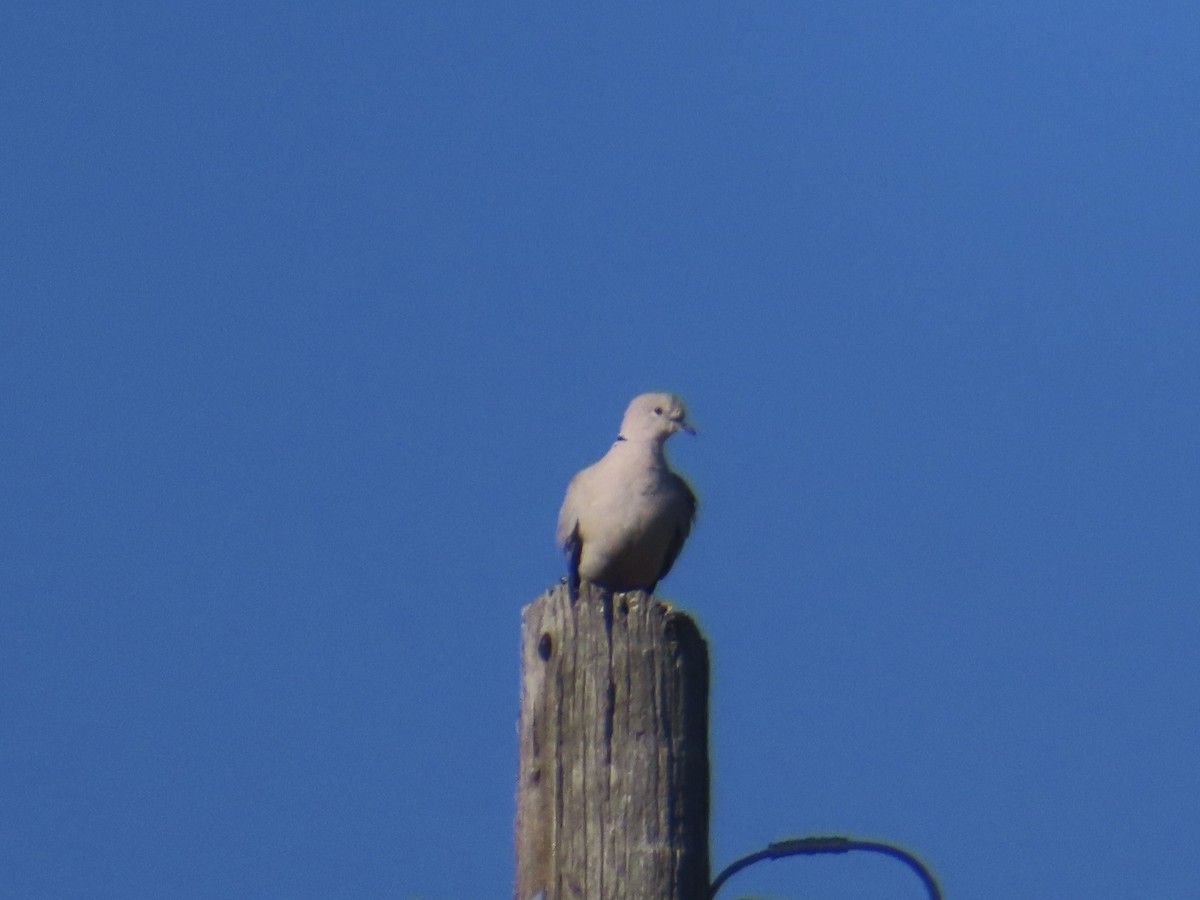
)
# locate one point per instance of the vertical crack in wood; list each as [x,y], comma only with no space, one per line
[610,691]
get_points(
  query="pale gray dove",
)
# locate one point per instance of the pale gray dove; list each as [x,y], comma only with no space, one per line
[625,518]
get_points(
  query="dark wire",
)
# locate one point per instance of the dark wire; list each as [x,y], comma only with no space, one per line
[810,846]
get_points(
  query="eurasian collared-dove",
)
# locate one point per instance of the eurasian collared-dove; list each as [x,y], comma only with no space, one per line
[625,518]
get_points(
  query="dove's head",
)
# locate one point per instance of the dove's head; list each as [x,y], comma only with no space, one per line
[655,417]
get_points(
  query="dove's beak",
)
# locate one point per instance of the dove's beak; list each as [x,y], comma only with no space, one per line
[686,426]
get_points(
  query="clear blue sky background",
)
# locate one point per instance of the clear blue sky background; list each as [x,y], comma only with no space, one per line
[309,312]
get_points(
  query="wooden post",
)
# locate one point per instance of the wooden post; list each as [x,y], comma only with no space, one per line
[613,785]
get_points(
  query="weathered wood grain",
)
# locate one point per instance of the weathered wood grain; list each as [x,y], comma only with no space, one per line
[613,791]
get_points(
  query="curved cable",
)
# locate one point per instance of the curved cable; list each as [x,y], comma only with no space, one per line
[811,846]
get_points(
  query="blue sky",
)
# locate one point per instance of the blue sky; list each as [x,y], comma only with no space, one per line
[309,312]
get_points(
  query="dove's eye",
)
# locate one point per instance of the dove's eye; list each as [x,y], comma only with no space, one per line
[658,410]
